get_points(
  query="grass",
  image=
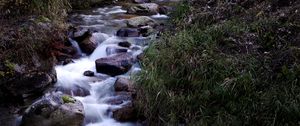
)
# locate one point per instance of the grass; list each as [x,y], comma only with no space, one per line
[233,72]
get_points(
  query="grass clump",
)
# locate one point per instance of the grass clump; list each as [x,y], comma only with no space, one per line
[236,71]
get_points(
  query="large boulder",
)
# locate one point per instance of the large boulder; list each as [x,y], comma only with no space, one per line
[23,85]
[115,65]
[144,9]
[54,110]
[141,21]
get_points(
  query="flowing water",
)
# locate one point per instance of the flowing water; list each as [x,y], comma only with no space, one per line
[104,22]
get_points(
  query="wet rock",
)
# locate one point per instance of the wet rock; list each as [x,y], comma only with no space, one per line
[140,21]
[125,44]
[141,1]
[123,84]
[31,82]
[125,114]
[69,50]
[120,98]
[144,9]
[115,50]
[61,57]
[114,65]
[88,45]
[164,9]
[135,48]
[54,110]
[89,73]
[146,31]
[67,61]
[128,32]
[140,56]
[80,34]
[74,91]
[85,40]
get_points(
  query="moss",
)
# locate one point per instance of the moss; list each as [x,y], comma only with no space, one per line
[68,99]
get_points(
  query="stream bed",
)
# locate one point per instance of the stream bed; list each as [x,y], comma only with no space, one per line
[98,92]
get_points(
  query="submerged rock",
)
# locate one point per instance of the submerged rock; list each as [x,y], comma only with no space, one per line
[54,110]
[128,32]
[141,21]
[115,50]
[74,91]
[124,44]
[114,65]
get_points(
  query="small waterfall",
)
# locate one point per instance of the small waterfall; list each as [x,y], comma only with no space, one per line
[76,46]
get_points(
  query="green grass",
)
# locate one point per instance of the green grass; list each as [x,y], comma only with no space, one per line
[229,73]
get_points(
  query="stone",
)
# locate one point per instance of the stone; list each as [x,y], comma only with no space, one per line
[120,98]
[89,73]
[164,9]
[141,21]
[85,40]
[141,1]
[88,45]
[54,109]
[67,61]
[125,44]
[123,84]
[144,9]
[114,65]
[146,31]
[125,114]
[32,82]
[128,32]
[115,50]
[74,91]
[80,34]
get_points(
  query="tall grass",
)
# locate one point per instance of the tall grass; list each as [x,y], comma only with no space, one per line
[229,73]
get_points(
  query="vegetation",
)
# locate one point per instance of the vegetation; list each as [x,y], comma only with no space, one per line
[227,64]
[50,8]
[68,99]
